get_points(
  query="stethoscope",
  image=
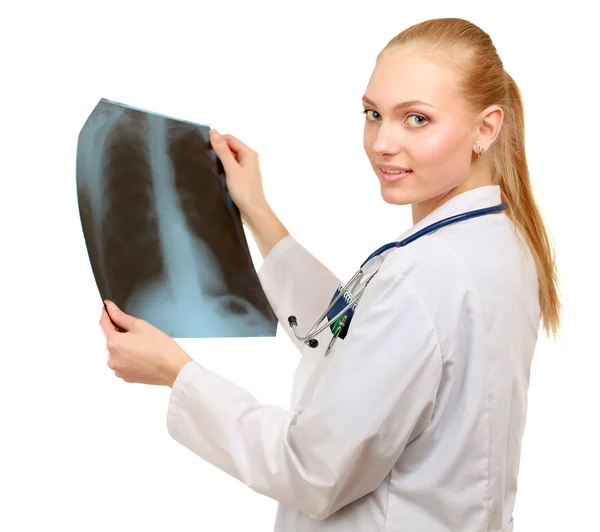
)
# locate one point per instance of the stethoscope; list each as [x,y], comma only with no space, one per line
[340,318]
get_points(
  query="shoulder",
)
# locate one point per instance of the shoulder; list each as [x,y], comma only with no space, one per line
[432,267]
[441,283]
[475,255]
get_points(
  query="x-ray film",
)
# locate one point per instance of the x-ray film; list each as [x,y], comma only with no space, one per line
[164,239]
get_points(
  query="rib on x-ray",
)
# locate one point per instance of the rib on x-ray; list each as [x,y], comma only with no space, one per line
[164,239]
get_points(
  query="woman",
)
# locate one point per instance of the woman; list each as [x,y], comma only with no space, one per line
[414,421]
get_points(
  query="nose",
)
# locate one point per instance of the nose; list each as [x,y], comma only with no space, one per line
[388,140]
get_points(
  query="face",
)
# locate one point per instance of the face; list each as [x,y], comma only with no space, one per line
[434,139]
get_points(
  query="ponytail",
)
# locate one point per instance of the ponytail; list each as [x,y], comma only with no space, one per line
[517,193]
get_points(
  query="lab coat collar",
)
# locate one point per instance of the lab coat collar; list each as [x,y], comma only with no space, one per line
[476,198]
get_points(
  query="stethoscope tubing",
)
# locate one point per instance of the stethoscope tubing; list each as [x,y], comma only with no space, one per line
[429,229]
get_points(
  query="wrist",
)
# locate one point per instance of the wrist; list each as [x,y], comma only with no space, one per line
[176,368]
[256,214]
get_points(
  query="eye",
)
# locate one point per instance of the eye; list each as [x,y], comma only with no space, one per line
[420,123]
[366,111]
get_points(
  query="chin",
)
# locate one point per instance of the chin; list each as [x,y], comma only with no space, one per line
[394,196]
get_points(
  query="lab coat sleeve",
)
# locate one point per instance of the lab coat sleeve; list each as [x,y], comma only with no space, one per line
[297,284]
[376,394]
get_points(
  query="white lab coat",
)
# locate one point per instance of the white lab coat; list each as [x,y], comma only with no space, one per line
[414,421]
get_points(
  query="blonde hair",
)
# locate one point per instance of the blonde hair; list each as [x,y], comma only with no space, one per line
[484,82]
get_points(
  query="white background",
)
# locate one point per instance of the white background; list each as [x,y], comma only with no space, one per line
[81,450]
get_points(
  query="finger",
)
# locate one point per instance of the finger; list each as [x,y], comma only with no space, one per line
[106,325]
[242,151]
[124,378]
[236,145]
[110,362]
[221,147]
[121,319]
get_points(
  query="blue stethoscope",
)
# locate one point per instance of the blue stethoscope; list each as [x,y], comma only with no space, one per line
[340,316]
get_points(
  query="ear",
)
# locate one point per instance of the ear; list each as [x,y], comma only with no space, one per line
[490,124]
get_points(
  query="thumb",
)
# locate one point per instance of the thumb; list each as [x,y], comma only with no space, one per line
[221,147]
[120,318]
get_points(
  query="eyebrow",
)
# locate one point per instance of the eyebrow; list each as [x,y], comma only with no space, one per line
[398,106]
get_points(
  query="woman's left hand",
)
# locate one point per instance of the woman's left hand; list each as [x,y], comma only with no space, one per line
[144,354]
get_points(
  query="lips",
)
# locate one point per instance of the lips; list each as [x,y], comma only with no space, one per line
[392,178]
[393,167]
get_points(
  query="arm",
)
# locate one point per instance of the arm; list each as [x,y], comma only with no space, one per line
[265,226]
[294,281]
[376,394]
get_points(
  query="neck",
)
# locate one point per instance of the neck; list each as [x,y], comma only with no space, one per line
[479,177]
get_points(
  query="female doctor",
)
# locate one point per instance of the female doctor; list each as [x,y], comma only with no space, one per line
[414,421]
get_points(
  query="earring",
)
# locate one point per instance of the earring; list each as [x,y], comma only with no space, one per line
[479,150]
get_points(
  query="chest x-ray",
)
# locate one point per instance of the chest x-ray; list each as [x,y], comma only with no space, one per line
[164,239]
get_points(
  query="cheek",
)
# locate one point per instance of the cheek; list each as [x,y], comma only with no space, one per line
[444,159]
[441,150]
[368,140]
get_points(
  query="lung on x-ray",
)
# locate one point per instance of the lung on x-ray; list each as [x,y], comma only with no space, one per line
[164,239]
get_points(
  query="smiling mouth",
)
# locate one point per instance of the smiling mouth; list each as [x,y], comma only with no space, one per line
[392,176]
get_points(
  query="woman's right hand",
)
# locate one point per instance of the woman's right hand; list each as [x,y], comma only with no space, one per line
[242,172]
